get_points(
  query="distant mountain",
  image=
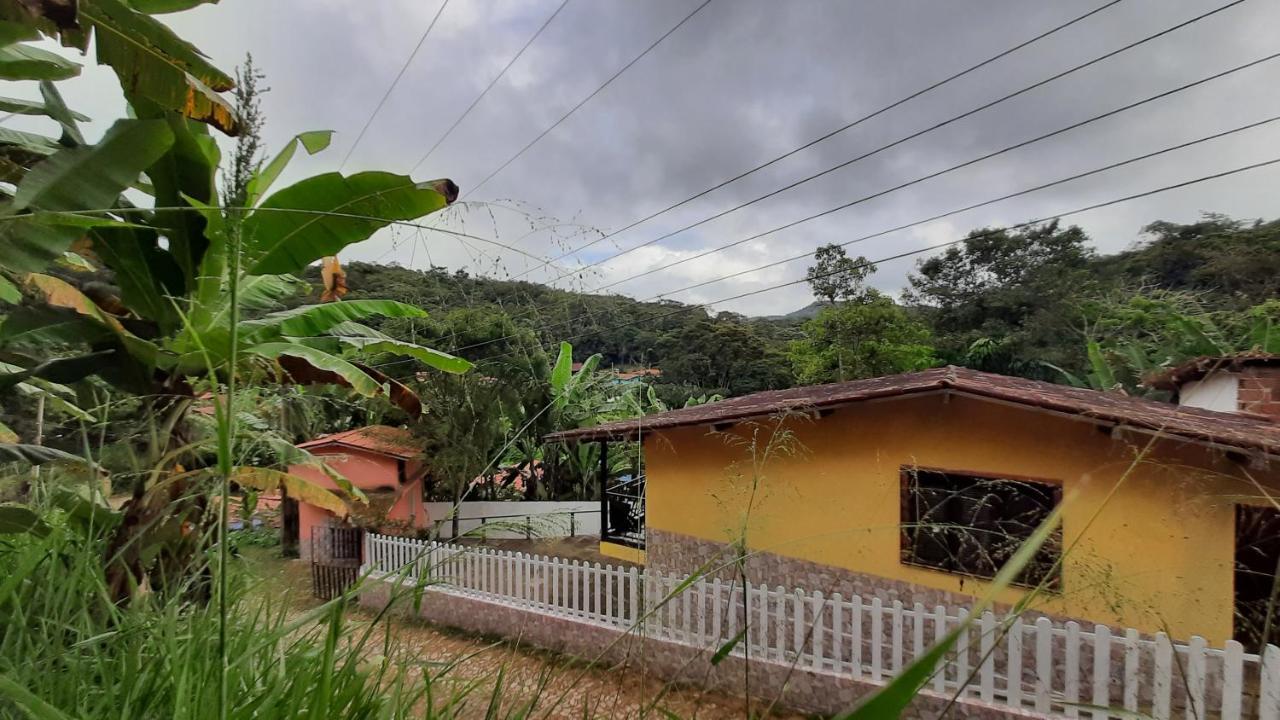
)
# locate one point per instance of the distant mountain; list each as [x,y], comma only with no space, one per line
[803,313]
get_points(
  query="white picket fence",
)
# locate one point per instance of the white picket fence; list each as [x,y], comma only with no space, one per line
[1033,664]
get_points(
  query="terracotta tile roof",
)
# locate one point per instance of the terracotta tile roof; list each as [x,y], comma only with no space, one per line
[380,439]
[1227,429]
[1199,367]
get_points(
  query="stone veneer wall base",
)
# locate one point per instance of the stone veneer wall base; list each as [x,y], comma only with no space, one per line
[800,689]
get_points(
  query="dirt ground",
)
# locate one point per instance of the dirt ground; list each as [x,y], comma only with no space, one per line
[564,688]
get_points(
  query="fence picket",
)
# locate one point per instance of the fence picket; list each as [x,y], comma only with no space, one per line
[856,634]
[797,611]
[939,631]
[897,636]
[1044,664]
[1269,684]
[1132,670]
[877,638]
[1195,679]
[1071,687]
[1013,664]
[1232,680]
[1101,671]
[837,631]
[962,654]
[987,670]
[780,624]
[1162,678]
[818,644]
[917,631]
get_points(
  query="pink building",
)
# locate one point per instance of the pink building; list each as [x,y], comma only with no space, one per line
[384,462]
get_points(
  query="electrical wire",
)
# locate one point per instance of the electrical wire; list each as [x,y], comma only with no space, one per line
[847,126]
[933,218]
[919,251]
[403,68]
[485,92]
[588,98]
[910,136]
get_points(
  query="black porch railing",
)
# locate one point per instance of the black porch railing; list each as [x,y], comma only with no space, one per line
[622,520]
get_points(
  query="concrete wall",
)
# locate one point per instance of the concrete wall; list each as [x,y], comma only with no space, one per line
[371,472]
[796,688]
[549,519]
[1152,542]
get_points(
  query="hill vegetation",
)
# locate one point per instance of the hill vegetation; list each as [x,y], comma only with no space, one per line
[1024,303]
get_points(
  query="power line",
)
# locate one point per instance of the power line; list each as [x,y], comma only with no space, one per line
[950,169]
[933,218]
[930,248]
[914,135]
[841,129]
[485,92]
[407,62]
[975,206]
[911,136]
[587,99]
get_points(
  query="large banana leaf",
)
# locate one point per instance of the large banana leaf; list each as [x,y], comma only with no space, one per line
[25,62]
[93,176]
[31,107]
[61,294]
[313,142]
[43,327]
[30,142]
[182,177]
[148,276]
[266,480]
[312,365]
[56,108]
[311,320]
[155,7]
[428,356]
[31,241]
[279,240]
[151,61]
[7,435]
[61,370]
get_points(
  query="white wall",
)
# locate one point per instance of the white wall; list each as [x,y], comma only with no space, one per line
[1219,391]
[541,519]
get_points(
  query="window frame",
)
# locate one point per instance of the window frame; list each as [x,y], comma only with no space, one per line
[908,518]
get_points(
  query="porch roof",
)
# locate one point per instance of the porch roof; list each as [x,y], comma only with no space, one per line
[1234,430]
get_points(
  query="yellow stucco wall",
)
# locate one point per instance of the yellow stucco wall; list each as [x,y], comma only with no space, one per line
[1158,555]
[622,552]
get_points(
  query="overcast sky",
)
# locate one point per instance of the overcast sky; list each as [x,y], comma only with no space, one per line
[741,82]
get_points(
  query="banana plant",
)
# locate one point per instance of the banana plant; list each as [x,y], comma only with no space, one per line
[155,316]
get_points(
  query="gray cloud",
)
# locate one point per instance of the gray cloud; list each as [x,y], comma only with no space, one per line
[742,82]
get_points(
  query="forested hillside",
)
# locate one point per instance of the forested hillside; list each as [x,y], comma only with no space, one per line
[1024,303]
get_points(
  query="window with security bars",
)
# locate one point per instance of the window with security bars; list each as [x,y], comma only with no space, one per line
[971,525]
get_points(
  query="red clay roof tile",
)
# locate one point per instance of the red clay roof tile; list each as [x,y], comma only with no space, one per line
[1228,429]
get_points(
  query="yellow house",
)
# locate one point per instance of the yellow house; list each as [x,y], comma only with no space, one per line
[919,486]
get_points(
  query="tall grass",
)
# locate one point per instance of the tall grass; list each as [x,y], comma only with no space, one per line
[67,650]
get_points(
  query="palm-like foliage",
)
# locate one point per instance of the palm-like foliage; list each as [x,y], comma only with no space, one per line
[147,299]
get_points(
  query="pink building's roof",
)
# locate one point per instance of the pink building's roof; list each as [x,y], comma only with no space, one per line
[380,439]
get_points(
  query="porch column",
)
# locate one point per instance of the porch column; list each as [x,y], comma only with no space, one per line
[604,478]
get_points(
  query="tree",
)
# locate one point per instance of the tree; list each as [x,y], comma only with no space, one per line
[1006,301]
[1135,333]
[860,340]
[835,277]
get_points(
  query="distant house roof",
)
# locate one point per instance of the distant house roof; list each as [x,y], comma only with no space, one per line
[381,439]
[1228,429]
[1196,369]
